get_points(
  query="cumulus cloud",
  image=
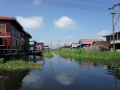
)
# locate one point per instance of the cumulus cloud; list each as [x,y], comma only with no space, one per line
[37,1]
[64,79]
[30,22]
[103,32]
[65,23]
[69,37]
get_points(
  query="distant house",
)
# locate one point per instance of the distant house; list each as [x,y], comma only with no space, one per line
[75,45]
[32,44]
[12,34]
[100,46]
[45,47]
[39,46]
[87,42]
[61,47]
[67,45]
[109,38]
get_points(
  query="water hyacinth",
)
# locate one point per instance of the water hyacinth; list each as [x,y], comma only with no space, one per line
[19,65]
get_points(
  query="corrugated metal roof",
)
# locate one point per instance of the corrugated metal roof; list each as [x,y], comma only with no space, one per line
[74,43]
[31,43]
[67,44]
[89,41]
[102,43]
[6,17]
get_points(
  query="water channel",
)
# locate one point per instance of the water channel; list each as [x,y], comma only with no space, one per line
[59,73]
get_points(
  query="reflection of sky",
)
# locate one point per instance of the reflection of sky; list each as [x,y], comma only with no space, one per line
[64,79]
[33,81]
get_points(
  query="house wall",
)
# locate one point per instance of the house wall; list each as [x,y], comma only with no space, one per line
[95,47]
[39,46]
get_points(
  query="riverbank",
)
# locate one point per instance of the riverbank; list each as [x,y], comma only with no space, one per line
[47,54]
[13,65]
[81,53]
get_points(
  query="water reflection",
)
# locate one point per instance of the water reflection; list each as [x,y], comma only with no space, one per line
[62,74]
[64,79]
[33,81]
[12,80]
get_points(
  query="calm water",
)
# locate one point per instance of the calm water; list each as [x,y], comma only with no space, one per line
[61,73]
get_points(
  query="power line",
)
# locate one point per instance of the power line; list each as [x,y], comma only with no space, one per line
[96,2]
[62,4]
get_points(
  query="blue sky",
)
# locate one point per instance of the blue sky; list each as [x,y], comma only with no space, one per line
[66,21]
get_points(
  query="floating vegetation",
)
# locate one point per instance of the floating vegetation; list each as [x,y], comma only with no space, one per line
[96,57]
[18,65]
[47,54]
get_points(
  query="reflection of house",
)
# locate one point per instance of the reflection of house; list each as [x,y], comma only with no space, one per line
[45,47]
[32,58]
[75,45]
[117,39]
[100,46]
[39,46]
[32,44]
[12,35]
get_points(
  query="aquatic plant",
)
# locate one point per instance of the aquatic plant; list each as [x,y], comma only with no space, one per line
[19,65]
[47,54]
[81,53]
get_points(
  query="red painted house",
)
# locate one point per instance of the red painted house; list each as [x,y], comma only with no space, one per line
[12,34]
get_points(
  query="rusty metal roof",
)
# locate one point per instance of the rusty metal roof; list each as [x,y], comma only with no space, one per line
[89,41]
[67,44]
[102,43]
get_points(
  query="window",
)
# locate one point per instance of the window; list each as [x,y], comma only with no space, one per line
[2,28]
[16,32]
[12,29]
[0,41]
[0,25]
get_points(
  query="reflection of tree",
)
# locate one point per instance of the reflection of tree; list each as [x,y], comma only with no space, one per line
[114,70]
[12,80]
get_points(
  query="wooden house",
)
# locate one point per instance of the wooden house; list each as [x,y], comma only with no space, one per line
[46,47]
[39,46]
[32,44]
[100,46]
[75,45]
[67,45]
[87,42]
[12,34]
[109,38]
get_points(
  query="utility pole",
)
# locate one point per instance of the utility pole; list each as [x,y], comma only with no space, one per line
[59,44]
[113,25]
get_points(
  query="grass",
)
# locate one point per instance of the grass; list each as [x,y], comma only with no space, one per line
[47,54]
[18,65]
[96,57]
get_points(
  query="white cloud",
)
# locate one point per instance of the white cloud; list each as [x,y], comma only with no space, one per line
[69,37]
[65,23]
[64,79]
[103,32]
[37,1]
[30,22]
